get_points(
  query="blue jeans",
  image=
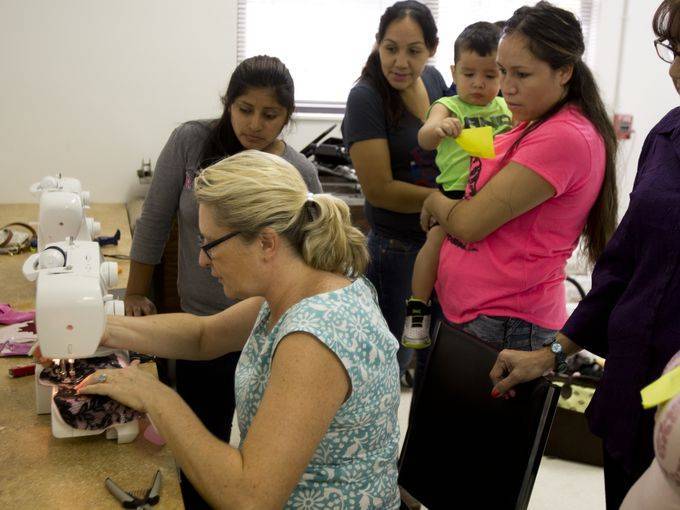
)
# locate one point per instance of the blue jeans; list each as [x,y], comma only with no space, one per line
[501,332]
[390,271]
[509,332]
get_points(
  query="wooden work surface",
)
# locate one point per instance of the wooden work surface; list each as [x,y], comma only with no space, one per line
[41,471]
[38,470]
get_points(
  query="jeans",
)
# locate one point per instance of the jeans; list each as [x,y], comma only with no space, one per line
[501,332]
[509,332]
[390,271]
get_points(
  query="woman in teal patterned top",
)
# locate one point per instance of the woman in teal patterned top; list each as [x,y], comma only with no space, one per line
[317,386]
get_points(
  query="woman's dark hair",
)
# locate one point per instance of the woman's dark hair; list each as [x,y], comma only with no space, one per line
[666,21]
[260,72]
[372,71]
[554,36]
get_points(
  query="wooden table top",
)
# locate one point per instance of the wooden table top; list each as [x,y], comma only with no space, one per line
[39,470]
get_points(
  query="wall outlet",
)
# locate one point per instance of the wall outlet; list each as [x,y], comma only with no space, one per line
[623,125]
[144,173]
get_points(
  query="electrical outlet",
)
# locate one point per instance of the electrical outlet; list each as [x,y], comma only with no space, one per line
[144,173]
[623,125]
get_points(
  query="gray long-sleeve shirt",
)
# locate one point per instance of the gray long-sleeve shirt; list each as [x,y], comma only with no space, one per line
[171,194]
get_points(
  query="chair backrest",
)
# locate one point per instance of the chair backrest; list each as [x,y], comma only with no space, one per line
[464,449]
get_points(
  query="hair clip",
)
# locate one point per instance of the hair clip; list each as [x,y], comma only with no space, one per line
[311,207]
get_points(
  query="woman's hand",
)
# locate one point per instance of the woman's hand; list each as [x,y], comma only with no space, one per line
[129,386]
[428,218]
[515,367]
[137,304]
[450,126]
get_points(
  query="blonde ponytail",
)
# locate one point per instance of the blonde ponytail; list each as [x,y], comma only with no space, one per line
[252,190]
[329,241]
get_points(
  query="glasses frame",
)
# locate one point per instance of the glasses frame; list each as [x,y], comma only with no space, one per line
[658,44]
[209,246]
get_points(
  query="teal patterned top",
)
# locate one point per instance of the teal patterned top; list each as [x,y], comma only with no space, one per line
[355,464]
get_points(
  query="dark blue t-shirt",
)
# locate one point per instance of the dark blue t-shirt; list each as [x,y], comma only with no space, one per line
[365,119]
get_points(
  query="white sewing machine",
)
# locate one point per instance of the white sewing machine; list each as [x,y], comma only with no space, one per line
[72,298]
[62,211]
[72,302]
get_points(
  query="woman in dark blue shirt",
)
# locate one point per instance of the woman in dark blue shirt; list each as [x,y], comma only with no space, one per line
[632,314]
[385,110]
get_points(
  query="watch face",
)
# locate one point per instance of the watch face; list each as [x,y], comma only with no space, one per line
[556,347]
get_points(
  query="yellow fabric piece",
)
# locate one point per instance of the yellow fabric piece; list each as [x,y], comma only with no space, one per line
[663,389]
[477,142]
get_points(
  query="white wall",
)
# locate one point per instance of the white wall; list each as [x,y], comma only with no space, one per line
[645,89]
[90,87]
[631,77]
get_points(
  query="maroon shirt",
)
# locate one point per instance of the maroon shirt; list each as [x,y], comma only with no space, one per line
[631,316]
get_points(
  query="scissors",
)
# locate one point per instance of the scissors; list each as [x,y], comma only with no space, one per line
[145,501]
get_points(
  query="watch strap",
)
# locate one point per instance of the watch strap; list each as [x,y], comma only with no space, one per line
[560,365]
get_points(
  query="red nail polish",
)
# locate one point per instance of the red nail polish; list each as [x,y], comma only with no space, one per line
[495,393]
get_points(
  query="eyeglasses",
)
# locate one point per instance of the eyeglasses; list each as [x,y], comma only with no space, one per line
[665,51]
[209,246]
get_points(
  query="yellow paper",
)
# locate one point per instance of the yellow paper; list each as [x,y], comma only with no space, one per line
[663,389]
[477,142]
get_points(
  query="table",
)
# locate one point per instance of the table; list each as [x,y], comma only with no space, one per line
[41,471]
[38,470]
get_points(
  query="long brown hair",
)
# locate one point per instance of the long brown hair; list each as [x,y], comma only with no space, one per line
[259,72]
[372,71]
[555,37]
[666,21]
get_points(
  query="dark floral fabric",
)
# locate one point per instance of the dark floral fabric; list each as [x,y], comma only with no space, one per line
[86,412]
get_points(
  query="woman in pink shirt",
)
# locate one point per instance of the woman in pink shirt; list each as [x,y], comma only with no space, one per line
[501,270]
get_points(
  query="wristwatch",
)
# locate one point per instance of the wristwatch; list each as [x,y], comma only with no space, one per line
[560,356]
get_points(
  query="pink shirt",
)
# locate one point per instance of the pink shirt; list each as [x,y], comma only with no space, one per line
[518,270]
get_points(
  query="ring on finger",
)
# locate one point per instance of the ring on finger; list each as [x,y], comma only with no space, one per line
[101,378]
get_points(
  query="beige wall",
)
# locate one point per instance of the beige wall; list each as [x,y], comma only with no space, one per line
[90,87]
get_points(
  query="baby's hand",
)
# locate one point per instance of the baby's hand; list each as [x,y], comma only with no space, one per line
[449,126]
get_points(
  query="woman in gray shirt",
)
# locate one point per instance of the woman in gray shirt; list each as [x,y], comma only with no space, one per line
[257,105]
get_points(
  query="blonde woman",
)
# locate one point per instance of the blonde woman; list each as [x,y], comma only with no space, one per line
[317,385]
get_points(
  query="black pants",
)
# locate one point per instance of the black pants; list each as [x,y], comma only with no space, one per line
[618,480]
[208,388]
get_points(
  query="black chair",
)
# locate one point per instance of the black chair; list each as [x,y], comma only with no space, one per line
[464,449]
